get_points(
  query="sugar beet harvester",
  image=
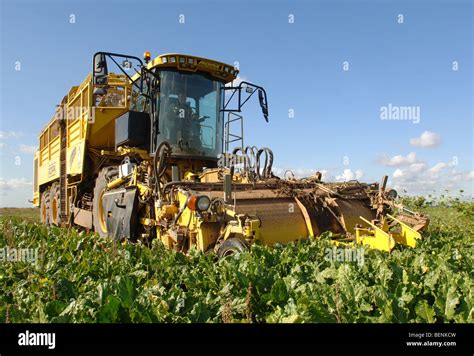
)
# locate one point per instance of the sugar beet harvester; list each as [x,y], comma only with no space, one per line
[145,155]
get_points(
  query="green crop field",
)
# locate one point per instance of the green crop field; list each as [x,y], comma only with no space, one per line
[77,277]
[27,214]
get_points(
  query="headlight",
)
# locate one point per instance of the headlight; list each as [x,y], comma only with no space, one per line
[203,203]
[199,202]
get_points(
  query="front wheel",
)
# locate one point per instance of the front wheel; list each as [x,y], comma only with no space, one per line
[55,205]
[44,207]
[232,246]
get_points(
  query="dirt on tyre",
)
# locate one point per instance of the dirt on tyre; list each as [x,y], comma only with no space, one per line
[232,246]
[55,204]
[98,213]
[44,207]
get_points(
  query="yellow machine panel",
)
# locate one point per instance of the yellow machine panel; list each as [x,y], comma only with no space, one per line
[84,120]
[48,164]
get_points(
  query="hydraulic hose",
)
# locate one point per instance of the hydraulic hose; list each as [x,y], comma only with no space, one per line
[267,167]
[162,153]
[253,155]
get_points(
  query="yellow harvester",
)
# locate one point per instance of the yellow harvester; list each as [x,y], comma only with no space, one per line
[153,152]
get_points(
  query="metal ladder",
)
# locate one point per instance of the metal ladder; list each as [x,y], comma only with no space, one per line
[230,137]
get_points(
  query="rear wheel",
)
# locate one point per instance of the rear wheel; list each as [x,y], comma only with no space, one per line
[98,213]
[44,207]
[232,246]
[55,205]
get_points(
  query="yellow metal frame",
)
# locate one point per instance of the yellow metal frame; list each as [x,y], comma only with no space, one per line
[218,70]
[407,236]
[382,239]
[374,237]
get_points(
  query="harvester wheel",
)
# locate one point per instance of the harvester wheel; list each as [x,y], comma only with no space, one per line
[98,213]
[232,246]
[55,205]
[44,207]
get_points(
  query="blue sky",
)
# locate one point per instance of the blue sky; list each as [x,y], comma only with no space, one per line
[298,51]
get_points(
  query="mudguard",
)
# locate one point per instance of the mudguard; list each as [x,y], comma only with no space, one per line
[120,209]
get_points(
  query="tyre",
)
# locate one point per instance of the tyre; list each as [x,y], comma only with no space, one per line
[232,246]
[98,213]
[44,207]
[55,204]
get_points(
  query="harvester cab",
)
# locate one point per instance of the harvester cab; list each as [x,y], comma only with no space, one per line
[162,158]
[184,99]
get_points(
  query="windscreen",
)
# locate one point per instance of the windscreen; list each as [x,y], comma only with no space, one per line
[189,113]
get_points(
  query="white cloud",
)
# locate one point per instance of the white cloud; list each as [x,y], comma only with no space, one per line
[14,183]
[427,139]
[28,149]
[298,172]
[348,175]
[409,172]
[412,178]
[326,176]
[462,176]
[398,173]
[304,172]
[418,179]
[438,167]
[9,134]
[417,167]
[399,160]
[2,145]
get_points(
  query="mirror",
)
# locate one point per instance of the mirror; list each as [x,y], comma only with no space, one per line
[263,104]
[99,76]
